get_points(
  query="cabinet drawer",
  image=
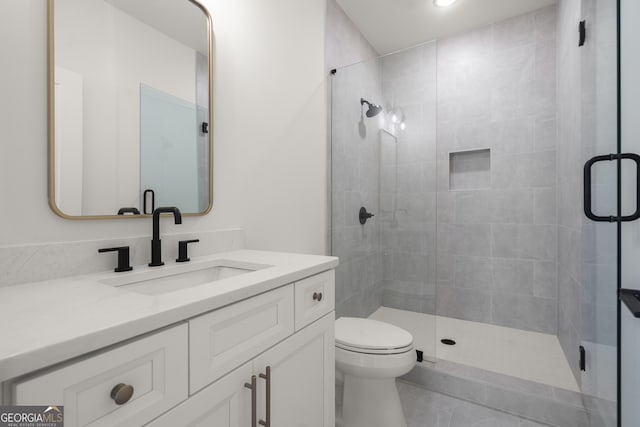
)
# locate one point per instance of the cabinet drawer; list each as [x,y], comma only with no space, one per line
[226,338]
[315,297]
[155,366]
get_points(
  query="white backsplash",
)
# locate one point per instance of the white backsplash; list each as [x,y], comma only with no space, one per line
[37,262]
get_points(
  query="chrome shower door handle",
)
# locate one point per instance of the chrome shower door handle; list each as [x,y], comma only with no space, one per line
[253,386]
[267,378]
[587,187]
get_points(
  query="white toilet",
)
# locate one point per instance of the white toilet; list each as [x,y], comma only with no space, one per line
[370,355]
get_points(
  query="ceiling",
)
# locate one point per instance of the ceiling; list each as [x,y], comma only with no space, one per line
[392,25]
[178,19]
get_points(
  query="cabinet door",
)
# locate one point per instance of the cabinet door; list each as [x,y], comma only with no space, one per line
[225,403]
[302,376]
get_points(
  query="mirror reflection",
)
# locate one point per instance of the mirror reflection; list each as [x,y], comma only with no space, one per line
[131,107]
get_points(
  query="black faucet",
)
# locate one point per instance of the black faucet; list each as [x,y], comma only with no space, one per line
[156,244]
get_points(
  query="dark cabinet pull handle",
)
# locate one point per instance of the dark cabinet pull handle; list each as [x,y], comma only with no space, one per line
[144,202]
[267,378]
[587,187]
[182,250]
[123,258]
[254,399]
[317,296]
[122,393]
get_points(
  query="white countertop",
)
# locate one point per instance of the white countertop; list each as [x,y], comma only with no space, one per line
[44,323]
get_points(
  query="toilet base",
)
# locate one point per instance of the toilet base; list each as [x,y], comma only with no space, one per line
[371,402]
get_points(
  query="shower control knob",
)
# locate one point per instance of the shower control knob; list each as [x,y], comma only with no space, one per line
[363,215]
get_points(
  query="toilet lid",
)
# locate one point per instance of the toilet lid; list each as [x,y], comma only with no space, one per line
[368,334]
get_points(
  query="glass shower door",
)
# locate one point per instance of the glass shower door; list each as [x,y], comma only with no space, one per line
[611,332]
[354,185]
[599,256]
[408,191]
[385,162]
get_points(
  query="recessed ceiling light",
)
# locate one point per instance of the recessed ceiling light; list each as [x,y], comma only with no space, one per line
[443,3]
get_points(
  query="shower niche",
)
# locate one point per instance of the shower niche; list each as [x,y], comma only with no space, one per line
[470,169]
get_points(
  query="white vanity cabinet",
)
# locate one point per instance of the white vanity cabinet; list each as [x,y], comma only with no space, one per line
[293,379]
[265,360]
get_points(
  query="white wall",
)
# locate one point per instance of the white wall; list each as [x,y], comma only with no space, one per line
[270,129]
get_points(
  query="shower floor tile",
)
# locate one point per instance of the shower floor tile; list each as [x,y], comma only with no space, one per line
[424,408]
[531,356]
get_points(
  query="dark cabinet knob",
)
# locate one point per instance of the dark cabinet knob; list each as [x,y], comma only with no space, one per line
[122,393]
[123,258]
[317,296]
[182,249]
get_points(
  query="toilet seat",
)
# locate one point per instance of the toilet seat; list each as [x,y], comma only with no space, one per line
[369,336]
[374,351]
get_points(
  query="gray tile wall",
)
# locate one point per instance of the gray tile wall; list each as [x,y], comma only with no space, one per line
[344,44]
[497,243]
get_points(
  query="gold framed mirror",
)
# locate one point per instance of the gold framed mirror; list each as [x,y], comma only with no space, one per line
[130,107]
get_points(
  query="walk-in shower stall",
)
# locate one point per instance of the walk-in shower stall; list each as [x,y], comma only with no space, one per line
[479,246]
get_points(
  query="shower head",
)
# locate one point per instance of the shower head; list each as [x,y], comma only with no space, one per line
[373,109]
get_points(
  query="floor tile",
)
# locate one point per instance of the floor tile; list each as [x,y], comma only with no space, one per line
[424,408]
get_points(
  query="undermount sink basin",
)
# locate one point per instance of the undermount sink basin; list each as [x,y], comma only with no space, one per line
[163,280]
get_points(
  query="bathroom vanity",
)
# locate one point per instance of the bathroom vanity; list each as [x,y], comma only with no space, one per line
[245,338]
